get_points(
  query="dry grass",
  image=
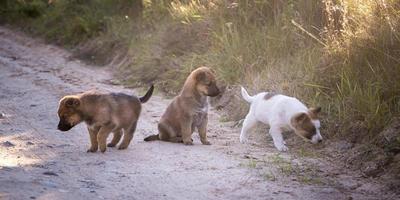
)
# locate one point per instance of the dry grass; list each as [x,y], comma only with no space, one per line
[343,55]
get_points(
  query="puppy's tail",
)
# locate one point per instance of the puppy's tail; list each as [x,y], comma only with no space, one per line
[246,96]
[147,96]
[151,138]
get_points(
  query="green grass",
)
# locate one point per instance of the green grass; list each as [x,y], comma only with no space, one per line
[269,176]
[69,22]
[286,167]
[251,163]
[306,153]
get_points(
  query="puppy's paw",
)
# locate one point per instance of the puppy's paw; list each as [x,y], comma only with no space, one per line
[187,142]
[111,145]
[244,140]
[282,147]
[103,149]
[206,142]
[122,147]
[91,150]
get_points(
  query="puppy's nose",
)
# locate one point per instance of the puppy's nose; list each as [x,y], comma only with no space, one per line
[319,140]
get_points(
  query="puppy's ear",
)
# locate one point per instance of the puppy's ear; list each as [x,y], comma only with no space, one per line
[72,102]
[201,76]
[314,112]
[213,71]
[300,118]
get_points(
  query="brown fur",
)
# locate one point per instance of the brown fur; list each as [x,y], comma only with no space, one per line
[103,114]
[303,124]
[188,110]
[269,95]
[313,113]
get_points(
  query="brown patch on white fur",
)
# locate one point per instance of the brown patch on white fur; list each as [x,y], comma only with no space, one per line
[103,113]
[313,113]
[303,126]
[269,95]
[188,110]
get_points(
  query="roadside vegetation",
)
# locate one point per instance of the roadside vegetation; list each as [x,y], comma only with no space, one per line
[341,55]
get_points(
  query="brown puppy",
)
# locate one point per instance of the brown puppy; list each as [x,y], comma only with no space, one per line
[103,114]
[188,110]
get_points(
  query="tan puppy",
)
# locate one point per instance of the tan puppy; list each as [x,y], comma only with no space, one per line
[103,114]
[188,110]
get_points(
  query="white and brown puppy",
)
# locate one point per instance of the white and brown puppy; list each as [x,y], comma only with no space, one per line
[103,113]
[281,112]
[188,110]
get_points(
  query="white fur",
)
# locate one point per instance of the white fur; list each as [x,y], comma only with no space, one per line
[277,113]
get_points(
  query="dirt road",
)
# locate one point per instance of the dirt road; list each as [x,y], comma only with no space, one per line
[39,162]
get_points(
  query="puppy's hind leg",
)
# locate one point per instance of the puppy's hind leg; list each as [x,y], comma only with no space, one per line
[116,138]
[248,123]
[276,134]
[102,136]
[128,135]
[166,133]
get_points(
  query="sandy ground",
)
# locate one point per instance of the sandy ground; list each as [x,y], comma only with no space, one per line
[39,162]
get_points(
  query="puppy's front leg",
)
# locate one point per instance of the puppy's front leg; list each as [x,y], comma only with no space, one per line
[276,134]
[102,136]
[93,139]
[187,132]
[203,131]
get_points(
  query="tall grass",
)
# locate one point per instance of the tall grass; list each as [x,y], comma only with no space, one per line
[343,55]
[366,49]
[69,22]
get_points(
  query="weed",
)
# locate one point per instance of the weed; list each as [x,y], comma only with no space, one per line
[269,176]
[252,163]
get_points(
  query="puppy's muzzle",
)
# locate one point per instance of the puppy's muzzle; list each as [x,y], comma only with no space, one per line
[62,126]
[316,139]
